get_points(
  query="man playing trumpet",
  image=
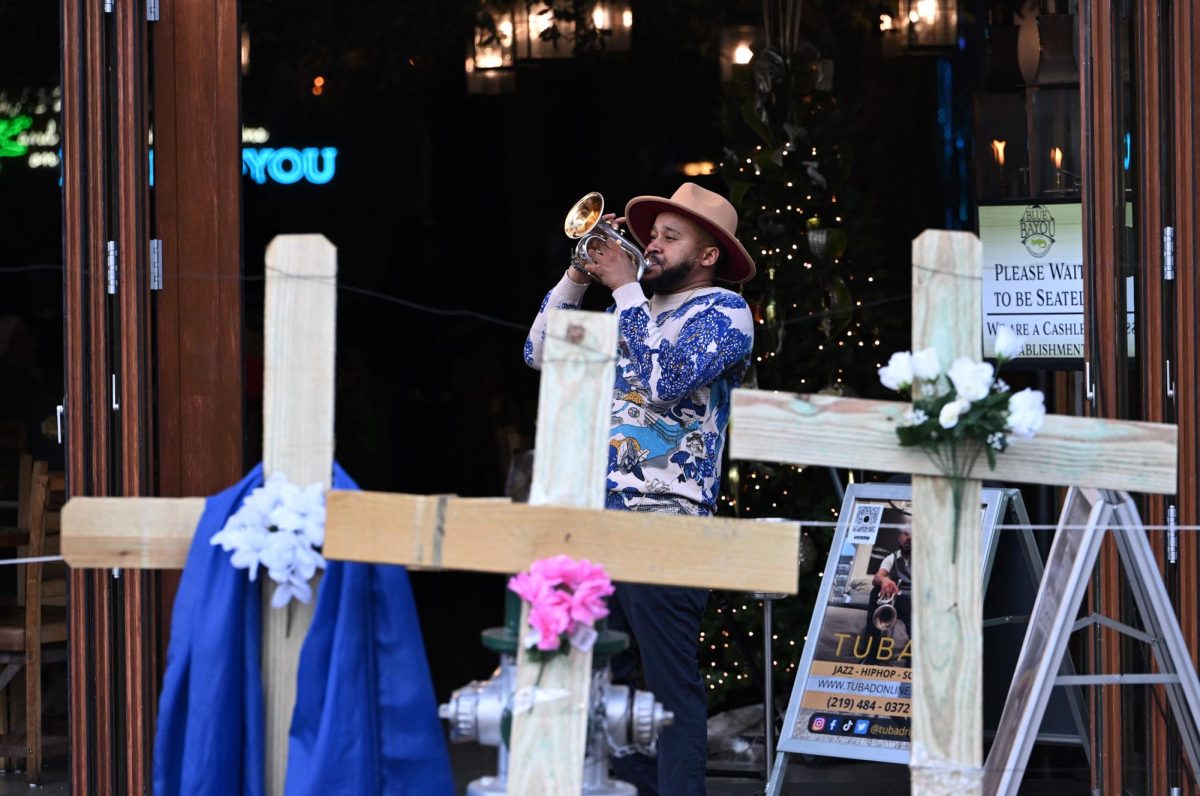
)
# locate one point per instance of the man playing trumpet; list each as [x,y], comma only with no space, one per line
[684,346]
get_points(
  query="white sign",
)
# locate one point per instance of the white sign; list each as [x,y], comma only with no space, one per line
[1033,278]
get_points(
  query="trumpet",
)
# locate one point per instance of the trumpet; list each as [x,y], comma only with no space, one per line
[583,224]
[885,613]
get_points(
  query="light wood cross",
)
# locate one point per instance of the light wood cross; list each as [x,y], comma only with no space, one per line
[564,515]
[441,532]
[947,711]
[156,533]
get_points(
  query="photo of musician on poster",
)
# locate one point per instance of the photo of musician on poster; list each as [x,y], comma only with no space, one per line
[854,694]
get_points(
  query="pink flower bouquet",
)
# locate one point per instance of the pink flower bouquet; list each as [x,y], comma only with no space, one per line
[565,598]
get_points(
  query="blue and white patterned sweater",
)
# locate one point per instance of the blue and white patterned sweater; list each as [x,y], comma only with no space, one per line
[679,358]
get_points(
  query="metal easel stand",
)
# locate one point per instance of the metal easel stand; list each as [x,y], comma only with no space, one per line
[1014,508]
[1068,570]
[768,601]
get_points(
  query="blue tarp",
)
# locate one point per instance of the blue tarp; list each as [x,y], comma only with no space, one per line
[366,716]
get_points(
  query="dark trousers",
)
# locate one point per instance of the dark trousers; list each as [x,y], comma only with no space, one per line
[664,622]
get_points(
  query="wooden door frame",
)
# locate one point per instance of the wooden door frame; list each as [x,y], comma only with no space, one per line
[175,423]
[85,146]
[1184,125]
[1165,153]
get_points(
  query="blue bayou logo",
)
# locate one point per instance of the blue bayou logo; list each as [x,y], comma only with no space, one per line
[1037,230]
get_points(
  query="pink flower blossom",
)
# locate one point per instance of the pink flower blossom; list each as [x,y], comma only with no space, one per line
[557,570]
[587,602]
[551,618]
[564,595]
[529,586]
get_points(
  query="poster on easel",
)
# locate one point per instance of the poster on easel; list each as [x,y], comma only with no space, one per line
[853,694]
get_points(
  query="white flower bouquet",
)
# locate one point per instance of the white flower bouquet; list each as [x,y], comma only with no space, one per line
[281,527]
[965,411]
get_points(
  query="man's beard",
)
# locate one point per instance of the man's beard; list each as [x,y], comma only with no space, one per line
[670,278]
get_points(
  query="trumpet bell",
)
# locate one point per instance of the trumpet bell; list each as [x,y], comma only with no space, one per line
[885,617]
[584,215]
[584,225]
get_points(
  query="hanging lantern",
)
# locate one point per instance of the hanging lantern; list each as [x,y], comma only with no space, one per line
[557,29]
[541,32]
[918,27]
[818,241]
[612,22]
[489,64]
[737,46]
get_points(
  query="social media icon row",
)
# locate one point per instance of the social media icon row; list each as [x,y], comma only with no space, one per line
[839,725]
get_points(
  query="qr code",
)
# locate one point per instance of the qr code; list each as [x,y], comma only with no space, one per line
[866,524]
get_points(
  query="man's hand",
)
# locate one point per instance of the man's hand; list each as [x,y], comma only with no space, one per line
[611,265]
[888,588]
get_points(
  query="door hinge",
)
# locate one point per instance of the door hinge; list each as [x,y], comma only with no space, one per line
[1168,253]
[1172,535]
[1170,382]
[152,10]
[109,5]
[111,270]
[156,264]
[116,403]
[58,414]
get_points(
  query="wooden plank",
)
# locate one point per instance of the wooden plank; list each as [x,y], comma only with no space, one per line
[487,535]
[131,533]
[1068,568]
[549,738]
[298,353]
[947,703]
[574,410]
[298,384]
[947,607]
[547,704]
[852,432]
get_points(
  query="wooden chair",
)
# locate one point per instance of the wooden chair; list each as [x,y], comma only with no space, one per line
[32,636]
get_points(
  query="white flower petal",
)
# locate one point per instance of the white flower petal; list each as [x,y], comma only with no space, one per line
[242,559]
[948,417]
[925,364]
[281,596]
[971,380]
[277,527]
[314,532]
[897,374]
[286,518]
[1026,412]
[302,592]
[1008,343]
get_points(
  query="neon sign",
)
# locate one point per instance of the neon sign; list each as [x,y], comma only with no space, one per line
[288,166]
[9,130]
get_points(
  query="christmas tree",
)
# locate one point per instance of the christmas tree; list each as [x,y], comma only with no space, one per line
[818,301]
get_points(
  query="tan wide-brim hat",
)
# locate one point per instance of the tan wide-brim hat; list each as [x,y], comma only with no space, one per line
[708,209]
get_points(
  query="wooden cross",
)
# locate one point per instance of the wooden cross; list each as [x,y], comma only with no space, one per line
[442,532]
[156,533]
[564,515]
[947,726]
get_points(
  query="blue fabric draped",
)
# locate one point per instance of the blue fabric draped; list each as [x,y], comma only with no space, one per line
[366,717]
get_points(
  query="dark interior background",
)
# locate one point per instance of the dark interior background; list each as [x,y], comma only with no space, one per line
[446,201]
